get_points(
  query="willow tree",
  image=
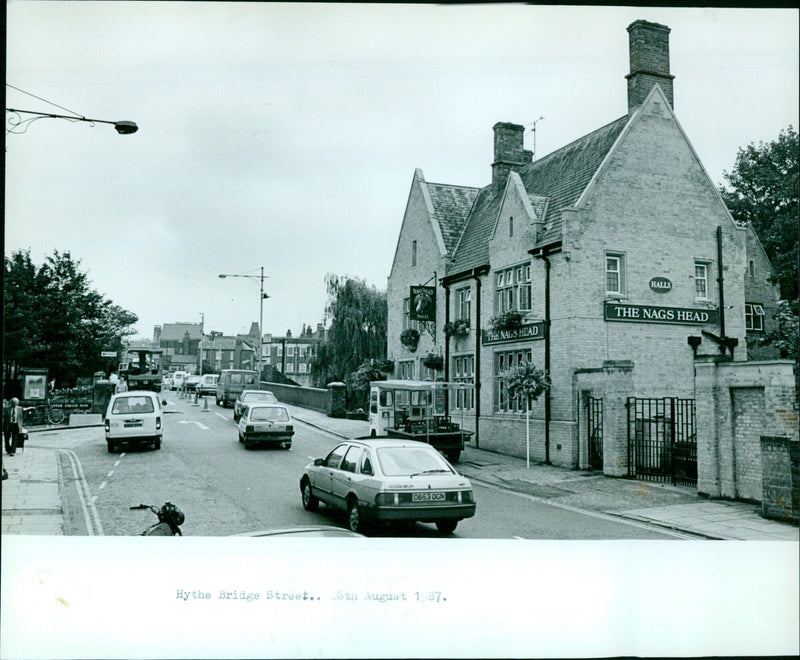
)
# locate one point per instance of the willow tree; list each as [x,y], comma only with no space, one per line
[357,333]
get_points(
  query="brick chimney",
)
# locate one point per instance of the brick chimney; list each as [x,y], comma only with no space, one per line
[509,153]
[649,55]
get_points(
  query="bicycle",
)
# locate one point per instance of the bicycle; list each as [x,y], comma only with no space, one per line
[42,414]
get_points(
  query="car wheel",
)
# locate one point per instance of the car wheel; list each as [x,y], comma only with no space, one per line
[310,502]
[157,444]
[217,398]
[446,526]
[355,522]
[112,447]
[241,439]
[286,445]
[235,417]
[453,455]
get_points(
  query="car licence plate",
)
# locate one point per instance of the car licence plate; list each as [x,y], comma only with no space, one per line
[428,497]
[133,423]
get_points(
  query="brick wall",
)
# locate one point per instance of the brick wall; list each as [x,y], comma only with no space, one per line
[737,403]
[781,492]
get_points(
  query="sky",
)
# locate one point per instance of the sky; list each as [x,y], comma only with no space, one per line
[285,136]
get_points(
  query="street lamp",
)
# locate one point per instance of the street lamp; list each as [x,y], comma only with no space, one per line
[261,298]
[122,127]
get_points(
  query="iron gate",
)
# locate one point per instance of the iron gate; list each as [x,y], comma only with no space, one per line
[662,440]
[594,417]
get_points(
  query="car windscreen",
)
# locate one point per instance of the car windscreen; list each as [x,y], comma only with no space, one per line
[405,461]
[131,405]
[269,415]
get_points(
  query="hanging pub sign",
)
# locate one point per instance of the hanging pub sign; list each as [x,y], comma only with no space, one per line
[652,314]
[531,331]
[660,285]
[422,303]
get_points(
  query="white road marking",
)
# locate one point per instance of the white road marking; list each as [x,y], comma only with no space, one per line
[110,473]
[191,421]
[102,485]
[116,464]
[221,416]
[89,511]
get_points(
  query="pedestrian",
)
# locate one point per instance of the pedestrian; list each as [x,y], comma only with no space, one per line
[6,422]
[16,427]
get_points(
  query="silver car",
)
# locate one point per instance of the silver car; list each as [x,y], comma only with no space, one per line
[388,479]
[248,398]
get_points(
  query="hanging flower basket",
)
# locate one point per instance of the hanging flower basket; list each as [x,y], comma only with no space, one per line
[433,361]
[458,328]
[510,320]
[410,339]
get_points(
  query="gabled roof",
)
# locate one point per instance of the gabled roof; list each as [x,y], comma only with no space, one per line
[451,206]
[560,177]
[177,331]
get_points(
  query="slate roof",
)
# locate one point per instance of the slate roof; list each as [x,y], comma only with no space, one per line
[451,206]
[176,331]
[561,177]
[219,344]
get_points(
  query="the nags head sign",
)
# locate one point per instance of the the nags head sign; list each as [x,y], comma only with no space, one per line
[652,314]
[526,331]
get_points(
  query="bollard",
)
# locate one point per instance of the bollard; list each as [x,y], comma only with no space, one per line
[205,405]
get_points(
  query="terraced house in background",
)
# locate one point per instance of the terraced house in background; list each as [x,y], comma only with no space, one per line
[626,270]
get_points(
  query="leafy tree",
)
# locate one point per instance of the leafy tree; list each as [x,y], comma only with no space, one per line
[357,332]
[54,319]
[764,192]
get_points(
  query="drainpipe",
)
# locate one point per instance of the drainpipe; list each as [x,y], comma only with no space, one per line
[446,347]
[721,293]
[476,276]
[546,357]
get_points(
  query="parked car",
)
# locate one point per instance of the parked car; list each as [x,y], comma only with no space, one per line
[191,383]
[267,423]
[207,384]
[388,479]
[134,418]
[232,382]
[248,397]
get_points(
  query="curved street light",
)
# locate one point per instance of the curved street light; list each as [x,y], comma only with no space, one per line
[261,298]
[122,127]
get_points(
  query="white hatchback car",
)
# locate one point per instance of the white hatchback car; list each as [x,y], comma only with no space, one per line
[267,423]
[134,417]
[388,479]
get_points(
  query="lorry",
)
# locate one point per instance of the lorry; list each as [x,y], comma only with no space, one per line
[141,369]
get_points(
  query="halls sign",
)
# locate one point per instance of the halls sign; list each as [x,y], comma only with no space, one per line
[652,314]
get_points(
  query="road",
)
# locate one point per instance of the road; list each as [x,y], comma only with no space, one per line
[225,489]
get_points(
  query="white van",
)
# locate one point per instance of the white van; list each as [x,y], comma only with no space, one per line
[133,417]
[179,379]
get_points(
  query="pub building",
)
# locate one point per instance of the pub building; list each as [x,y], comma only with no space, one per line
[619,255]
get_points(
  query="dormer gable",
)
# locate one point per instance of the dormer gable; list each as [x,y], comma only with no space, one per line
[517,218]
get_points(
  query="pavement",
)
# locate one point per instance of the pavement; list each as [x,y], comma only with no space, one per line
[32,505]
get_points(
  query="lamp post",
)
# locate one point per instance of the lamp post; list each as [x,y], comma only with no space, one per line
[261,298]
[122,127]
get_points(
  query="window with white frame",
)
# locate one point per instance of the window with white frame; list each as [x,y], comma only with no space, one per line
[290,351]
[512,289]
[701,280]
[615,274]
[303,368]
[754,317]
[407,322]
[301,350]
[464,304]
[405,369]
[506,360]
[280,350]
[290,367]
[463,372]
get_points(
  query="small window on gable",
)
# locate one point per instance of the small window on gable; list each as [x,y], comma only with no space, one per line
[413,253]
[752,269]
[511,226]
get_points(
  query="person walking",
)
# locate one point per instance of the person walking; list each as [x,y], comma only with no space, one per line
[16,426]
[6,422]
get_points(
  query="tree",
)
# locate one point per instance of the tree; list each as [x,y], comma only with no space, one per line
[764,192]
[54,319]
[357,332]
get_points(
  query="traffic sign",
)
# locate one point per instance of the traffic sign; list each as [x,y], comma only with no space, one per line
[108,354]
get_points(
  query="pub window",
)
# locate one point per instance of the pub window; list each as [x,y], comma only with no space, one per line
[615,274]
[405,369]
[464,304]
[754,317]
[505,360]
[413,253]
[701,280]
[407,322]
[512,289]
[463,372]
